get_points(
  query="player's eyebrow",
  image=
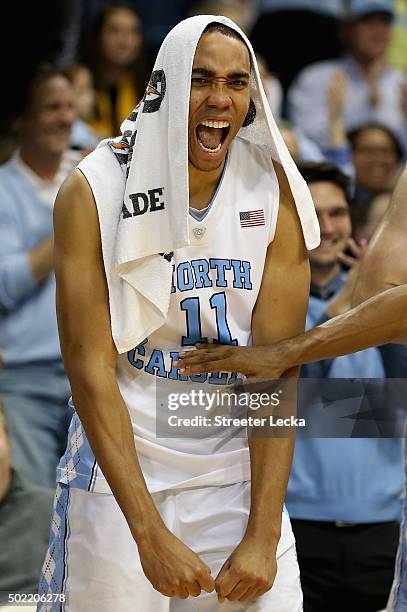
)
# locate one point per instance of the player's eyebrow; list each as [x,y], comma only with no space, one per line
[203,72]
[210,73]
[239,75]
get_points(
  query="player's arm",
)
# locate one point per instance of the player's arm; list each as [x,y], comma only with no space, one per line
[279,313]
[89,357]
[384,267]
[379,315]
[380,296]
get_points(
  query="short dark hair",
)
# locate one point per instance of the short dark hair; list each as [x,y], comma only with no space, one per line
[316,172]
[44,72]
[374,125]
[216,26]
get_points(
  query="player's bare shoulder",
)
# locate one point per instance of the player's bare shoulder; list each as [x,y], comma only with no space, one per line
[289,230]
[285,191]
[397,211]
[75,213]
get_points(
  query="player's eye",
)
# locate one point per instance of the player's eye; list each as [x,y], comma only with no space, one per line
[199,81]
[238,83]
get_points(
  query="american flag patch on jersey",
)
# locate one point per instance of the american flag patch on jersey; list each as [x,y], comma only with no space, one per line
[251,218]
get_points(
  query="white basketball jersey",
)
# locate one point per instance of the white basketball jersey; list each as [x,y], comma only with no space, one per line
[216,282]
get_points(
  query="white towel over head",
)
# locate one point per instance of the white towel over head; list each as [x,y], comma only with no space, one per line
[144,218]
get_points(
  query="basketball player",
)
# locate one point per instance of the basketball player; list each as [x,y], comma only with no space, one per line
[139,524]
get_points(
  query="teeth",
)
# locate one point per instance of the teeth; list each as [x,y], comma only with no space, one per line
[215,124]
[210,150]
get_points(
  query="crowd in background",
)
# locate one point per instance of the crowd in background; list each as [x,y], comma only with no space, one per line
[335,75]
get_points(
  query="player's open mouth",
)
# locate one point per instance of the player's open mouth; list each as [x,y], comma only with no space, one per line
[212,134]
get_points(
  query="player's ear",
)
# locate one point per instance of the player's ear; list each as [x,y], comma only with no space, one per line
[251,114]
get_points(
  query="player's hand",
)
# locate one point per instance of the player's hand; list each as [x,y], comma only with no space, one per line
[249,572]
[265,362]
[172,568]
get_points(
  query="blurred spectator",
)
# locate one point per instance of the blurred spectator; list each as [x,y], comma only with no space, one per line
[300,147]
[338,152]
[308,26]
[344,494]
[39,44]
[32,381]
[366,219]
[25,516]
[377,208]
[374,90]
[398,44]
[157,17]
[240,11]
[114,53]
[272,87]
[82,135]
[377,157]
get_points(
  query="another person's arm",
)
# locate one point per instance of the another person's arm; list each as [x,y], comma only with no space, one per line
[307,103]
[21,271]
[385,265]
[41,259]
[279,313]
[381,319]
[89,357]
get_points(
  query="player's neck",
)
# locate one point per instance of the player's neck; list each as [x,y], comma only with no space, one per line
[202,185]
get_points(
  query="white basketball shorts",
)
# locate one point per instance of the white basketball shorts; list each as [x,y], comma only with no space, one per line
[93,560]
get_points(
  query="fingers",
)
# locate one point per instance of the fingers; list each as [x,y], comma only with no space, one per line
[237,583]
[209,366]
[223,570]
[251,593]
[208,358]
[226,582]
[358,249]
[194,589]
[204,360]
[204,351]
[206,581]
[238,592]
[188,583]
[181,592]
[349,261]
[192,359]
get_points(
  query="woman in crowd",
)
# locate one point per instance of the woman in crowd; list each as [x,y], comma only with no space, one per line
[114,53]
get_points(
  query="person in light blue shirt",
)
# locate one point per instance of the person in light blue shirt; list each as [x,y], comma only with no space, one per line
[33,384]
[375,91]
[344,494]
